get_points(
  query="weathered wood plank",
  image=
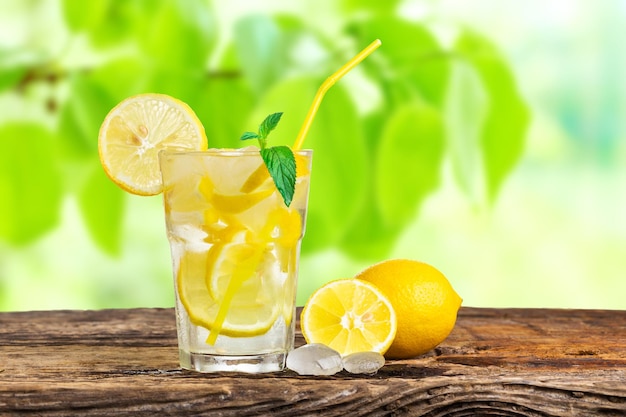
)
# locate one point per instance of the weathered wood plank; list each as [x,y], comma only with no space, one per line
[511,362]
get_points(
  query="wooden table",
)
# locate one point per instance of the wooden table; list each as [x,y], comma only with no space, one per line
[497,362]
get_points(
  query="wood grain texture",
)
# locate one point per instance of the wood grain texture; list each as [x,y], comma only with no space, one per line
[497,362]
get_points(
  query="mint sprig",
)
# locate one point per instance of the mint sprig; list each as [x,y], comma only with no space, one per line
[279,160]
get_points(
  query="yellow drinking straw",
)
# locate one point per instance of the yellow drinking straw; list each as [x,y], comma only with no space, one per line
[330,81]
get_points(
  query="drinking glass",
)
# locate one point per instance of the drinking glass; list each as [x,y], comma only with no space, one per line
[235,248]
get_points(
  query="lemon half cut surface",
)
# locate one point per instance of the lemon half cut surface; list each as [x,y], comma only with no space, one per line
[349,315]
[136,130]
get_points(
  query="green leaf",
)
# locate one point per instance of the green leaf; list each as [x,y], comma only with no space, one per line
[368,236]
[464,116]
[394,137]
[269,124]
[121,78]
[110,23]
[120,23]
[178,83]
[259,50]
[279,160]
[410,62]
[507,116]
[249,135]
[374,6]
[408,161]
[281,164]
[15,64]
[340,167]
[102,205]
[30,183]
[82,15]
[9,77]
[81,116]
[181,35]
[224,107]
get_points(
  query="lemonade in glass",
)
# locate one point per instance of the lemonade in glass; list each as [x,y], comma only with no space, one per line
[235,248]
[235,219]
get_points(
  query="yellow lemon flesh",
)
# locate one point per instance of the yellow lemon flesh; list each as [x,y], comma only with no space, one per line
[349,315]
[424,301]
[233,288]
[224,289]
[134,132]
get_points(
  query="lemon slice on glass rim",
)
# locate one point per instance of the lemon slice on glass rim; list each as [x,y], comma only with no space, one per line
[136,130]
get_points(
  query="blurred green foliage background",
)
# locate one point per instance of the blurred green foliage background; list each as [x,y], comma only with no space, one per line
[483,137]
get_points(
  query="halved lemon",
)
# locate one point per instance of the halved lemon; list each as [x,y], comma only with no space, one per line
[225,291]
[134,132]
[349,315]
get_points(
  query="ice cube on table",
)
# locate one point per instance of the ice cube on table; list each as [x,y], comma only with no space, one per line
[314,359]
[363,362]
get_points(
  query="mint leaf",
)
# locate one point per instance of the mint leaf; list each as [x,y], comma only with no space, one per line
[249,135]
[281,164]
[279,160]
[269,124]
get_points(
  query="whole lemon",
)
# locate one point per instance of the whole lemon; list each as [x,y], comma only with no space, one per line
[425,303]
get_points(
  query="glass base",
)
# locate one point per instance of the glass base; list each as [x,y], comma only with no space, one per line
[202,362]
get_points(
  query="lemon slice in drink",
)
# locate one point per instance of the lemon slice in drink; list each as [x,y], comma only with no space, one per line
[134,132]
[231,297]
[349,315]
[244,265]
